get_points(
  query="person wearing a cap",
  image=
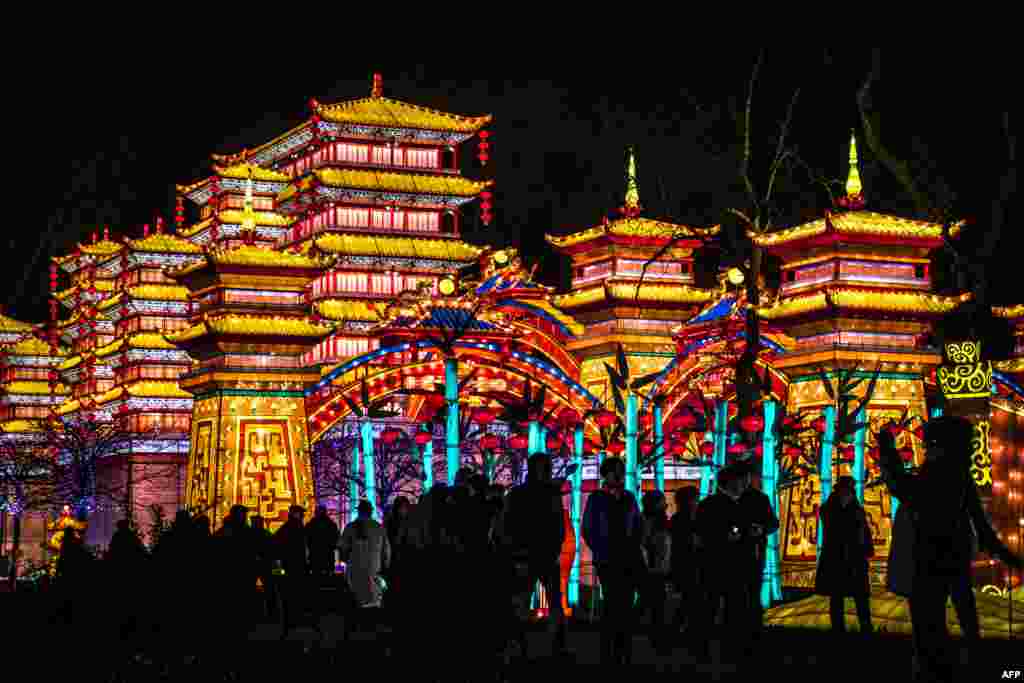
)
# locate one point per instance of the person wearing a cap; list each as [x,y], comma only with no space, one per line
[761,520]
[843,562]
[945,504]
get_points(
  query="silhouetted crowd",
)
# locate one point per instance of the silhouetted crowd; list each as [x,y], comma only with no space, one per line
[457,569]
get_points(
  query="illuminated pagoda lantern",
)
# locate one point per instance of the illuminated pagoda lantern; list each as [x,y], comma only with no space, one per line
[248,440]
[854,295]
[607,262]
[25,391]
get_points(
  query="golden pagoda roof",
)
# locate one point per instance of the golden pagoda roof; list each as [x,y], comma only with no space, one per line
[20,426]
[347,309]
[30,346]
[233,324]
[8,324]
[252,255]
[1011,365]
[870,300]
[401,247]
[101,286]
[32,387]
[393,181]
[139,340]
[627,292]
[144,389]
[1008,311]
[72,361]
[104,247]
[640,228]
[195,228]
[241,171]
[164,243]
[383,111]
[260,217]
[857,223]
[68,406]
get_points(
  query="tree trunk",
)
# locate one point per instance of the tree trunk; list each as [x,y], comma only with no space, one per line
[747,385]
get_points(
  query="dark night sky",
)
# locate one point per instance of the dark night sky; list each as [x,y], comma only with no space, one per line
[97,148]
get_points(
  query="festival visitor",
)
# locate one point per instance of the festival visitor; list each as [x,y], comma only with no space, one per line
[366,553]
[238,569]
[612,530]
[532,530]
[846,548]
[684,559]
[657,546]
[126,567]
[945,505]
[762,522]
[290,551]
[322,538]
[74,569]
[263,543]
[727,552]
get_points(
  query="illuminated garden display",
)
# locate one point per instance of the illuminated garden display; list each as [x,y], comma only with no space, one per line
[324,294]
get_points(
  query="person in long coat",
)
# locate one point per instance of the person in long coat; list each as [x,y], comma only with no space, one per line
[945,505]
[843,562]
[366,553]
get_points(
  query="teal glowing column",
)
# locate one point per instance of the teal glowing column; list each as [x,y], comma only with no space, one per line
[428,466]
[721,440]
[828,442]
[576,513]
[451,397]
[371,481]
[536,438]
[859,444]
[771,585]
[659,451]
[936,412]
[353,483]
[632,472]
[706,471]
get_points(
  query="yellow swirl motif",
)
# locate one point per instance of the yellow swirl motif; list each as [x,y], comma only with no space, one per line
[972,380]
[981,458]
[963,353]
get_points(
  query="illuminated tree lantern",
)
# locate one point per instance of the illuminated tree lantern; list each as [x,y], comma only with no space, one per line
[606,418]
[390,435]
[423,438]
[646,447]
[519,442]
[752,423]
[707,449]
[736,449]
[906,454]
[616,447]
[484,416]
[489,442]
[553,442]
[818,424]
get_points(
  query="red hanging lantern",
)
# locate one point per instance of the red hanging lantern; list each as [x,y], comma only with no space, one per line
[423,438]
[906,454]
[818,424]
[874,453]
[589,446]
[568,418]
[919,433]
[179,212]
[736,449]
[752,423]
[646,448]
[678,448]
[519,442]
[489,442]
[483,146]
[606,418]
[793,451]
[894,428]
[390,435]
[553,442]
[484,416]
[616,447]
[707,449]
[646,420]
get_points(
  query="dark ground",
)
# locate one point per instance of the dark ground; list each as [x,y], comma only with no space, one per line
[42,649]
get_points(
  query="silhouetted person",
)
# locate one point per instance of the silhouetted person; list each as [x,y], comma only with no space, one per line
[290,550]
[174,571]
[944,503]
[843,562]
[263,545]
[657,545]
[612,529]
[685,560]
[762,521]
[238,568]
[366,554]
[532,531]
[126,567]
[74,567]
[322,537]
[727,554]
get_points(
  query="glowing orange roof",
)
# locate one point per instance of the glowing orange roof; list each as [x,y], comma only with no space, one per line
[882,301]
[636,228]
[8,324]
[383,111]
[164,243]
[866,223]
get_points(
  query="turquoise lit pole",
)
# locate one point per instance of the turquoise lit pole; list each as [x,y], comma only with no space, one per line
[576,513]
[825,464]
[936,412]
[632,473]
[771,585]
[536,438]
[371,481]
[706,473]
[721,440]
[659,451]
[451,397]
[428,466]
[353,482]
[859,443]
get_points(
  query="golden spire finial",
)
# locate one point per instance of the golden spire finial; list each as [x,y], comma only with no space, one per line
[378,86]
[632,191]
[853,186]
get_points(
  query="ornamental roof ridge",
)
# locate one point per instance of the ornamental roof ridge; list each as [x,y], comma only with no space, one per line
[35,388]
[1015,311]
[339,309]
[399,246]
[637,227]
[163,243]
[865,298]
[30,345]
[260,217]
[254,255]
[396,113]
[401,181]
[104,247]
[241,170]
[254,325]
[9,324]
[856,222]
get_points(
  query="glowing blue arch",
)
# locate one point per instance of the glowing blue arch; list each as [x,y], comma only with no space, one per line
[538,363]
